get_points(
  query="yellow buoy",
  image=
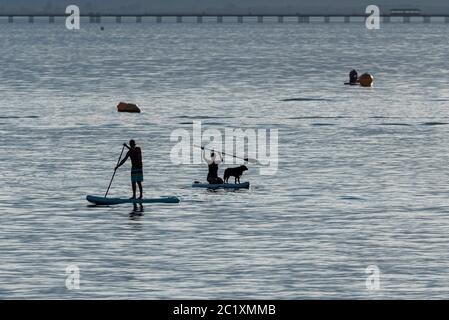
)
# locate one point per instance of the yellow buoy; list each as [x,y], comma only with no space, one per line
[366,80]
[127,107]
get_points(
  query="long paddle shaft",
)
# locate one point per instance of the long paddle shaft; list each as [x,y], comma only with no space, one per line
[250,160]
[110,183]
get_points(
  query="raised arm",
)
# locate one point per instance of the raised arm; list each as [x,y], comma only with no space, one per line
[204,156]
[219,160]
[123,161]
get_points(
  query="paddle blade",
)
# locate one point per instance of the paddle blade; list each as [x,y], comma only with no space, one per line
[250,160]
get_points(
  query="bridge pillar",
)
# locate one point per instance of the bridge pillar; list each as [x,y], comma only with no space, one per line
[118,19]
[327,19]
[260,19]
[31,19]
[239,19]
[51,19]
[406,19]
[219,19]
[426,19]
[10,19]
[303,19]
[159,19]
[280,19]
[387,19]
[199,19]
[347,19]
[179,19]
[139,19]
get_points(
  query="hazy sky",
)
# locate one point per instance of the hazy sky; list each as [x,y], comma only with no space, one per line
[219,6]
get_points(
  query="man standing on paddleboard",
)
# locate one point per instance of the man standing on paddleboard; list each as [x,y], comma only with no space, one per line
[135,153]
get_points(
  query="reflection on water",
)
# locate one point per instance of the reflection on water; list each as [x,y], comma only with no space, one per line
[138,209]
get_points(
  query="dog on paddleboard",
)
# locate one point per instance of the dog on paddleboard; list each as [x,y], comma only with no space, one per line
[234,172]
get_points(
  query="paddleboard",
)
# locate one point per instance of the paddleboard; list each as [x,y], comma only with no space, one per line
[244,185]
[102,201]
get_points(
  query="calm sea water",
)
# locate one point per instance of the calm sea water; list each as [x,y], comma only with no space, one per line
[362,178]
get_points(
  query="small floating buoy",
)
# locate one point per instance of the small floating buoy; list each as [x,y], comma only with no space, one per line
[366,80]
[102,28]
[127,107]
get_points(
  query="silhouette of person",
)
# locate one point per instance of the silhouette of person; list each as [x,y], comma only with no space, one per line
[135,153]
[353,77]
[212,175]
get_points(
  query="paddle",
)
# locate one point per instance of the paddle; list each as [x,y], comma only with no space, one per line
[115,170]
[250,160]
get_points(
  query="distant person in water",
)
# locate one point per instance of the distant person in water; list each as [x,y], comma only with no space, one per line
[137,168]
[353,77]
[213,162]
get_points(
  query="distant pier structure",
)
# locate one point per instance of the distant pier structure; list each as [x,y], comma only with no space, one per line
[394,15]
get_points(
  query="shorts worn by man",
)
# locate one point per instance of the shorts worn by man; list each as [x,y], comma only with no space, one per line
[135,153]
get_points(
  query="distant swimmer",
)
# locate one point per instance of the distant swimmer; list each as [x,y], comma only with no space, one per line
[365,80]
[213,162]
[353,77]
[135,153]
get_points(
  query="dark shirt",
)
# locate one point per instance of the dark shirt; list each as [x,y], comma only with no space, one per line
[213,170]
[136,158]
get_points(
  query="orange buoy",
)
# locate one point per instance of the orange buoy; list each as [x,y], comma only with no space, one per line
[127,107]
[366,80]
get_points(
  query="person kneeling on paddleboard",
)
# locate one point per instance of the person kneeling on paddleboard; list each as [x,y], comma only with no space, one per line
[135,153]
[213,162]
